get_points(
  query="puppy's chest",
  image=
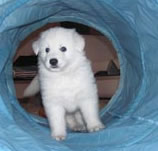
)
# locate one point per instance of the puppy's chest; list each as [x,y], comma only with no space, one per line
[65,92]
[64,87]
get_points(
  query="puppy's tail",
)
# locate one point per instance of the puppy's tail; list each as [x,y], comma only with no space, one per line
[33,88]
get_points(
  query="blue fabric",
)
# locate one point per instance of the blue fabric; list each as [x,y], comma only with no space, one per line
[130,117]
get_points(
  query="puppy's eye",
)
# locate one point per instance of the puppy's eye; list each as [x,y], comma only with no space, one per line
[47,50]
[63,49]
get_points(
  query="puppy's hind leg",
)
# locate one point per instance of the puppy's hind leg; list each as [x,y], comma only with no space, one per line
[80,121]
[75,122]
[71,121]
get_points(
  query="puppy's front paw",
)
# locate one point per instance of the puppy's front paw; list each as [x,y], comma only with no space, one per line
[96,128]
[60,138]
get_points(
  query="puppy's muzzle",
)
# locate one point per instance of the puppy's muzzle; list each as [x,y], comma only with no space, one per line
[53,62]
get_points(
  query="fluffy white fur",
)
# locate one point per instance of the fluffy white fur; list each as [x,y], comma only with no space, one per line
[67,86]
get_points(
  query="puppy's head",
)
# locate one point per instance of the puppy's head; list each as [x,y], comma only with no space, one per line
[58,48]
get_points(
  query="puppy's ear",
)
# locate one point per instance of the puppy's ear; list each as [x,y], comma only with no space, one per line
[35,46]
[79,41]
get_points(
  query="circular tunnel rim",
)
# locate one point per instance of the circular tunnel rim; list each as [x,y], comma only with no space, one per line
[106,33]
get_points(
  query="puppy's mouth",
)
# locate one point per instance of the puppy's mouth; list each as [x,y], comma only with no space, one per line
[54,66]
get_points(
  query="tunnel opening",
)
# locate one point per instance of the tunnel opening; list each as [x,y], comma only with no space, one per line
[99,50]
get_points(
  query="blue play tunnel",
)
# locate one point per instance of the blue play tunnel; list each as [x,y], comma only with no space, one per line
[131,117]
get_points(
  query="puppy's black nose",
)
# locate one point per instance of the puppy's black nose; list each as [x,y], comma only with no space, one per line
[53,62]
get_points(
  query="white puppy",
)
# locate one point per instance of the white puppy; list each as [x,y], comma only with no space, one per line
[66,82]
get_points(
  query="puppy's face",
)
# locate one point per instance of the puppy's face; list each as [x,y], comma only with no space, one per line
[58,47]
